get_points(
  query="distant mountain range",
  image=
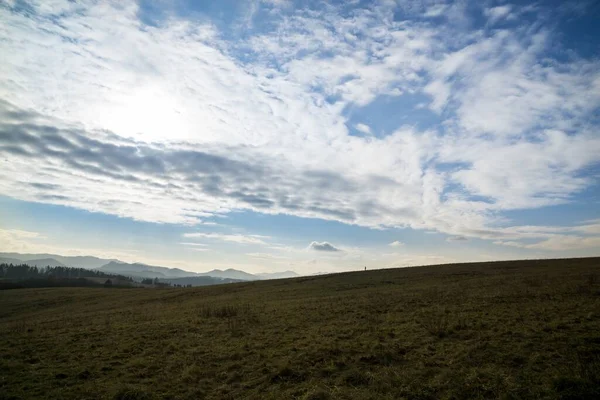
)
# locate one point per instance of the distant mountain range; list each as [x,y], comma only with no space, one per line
[41,262]
[86,262]
[145,271]
[230,274]
[138,270]
[9,260]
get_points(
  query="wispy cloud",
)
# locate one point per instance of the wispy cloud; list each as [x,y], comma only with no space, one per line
[396,243]
[496,13]
[234,238]
[436,10]
[456,239]
[558,243]
[366,129]
[20,234]
[100,115]
[267,256]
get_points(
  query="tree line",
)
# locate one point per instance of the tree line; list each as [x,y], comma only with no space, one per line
[24,275]
[157,282]
[24,271]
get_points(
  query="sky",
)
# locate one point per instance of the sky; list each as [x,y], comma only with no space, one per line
[310,136]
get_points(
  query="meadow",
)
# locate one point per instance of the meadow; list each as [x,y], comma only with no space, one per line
[503,330]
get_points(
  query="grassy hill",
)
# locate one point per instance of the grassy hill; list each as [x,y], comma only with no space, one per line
[508,330]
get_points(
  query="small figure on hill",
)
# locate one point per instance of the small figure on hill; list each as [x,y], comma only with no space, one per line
[108,283]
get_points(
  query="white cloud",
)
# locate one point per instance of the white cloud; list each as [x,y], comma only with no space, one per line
[440,91]
[16,240]
[500,87]
[590,227]
[279,3]
[16,234]
[436,10]
[234,238]
[559,243]
[396,244]
[494,14]
[198,249]
[366,129]
[267,256]
[456,239]
[547,170]
[213,133]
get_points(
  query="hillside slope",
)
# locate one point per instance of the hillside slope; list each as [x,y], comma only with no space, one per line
[511,330]
[199,281]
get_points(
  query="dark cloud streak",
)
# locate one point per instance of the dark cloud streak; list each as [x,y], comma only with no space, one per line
[238,177]
[323,246]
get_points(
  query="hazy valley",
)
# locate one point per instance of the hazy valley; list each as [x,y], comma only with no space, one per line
[139,271]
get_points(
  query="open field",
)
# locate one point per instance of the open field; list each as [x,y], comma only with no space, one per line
[509,330]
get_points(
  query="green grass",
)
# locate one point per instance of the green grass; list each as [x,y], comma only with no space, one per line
[509,330]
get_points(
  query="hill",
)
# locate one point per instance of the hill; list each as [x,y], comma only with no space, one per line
[44,262]
[505,330]
[138,270]
[199,281]
[8,260]
[87,262]
[230,274]
[145,271]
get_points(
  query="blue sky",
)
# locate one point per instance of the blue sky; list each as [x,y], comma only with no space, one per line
[313,136]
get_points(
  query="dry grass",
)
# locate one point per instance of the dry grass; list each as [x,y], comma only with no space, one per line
[521,330]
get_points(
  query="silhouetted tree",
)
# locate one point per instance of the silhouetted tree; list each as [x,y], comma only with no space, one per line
[24,271]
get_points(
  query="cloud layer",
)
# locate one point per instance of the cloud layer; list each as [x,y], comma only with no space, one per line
[176,122]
